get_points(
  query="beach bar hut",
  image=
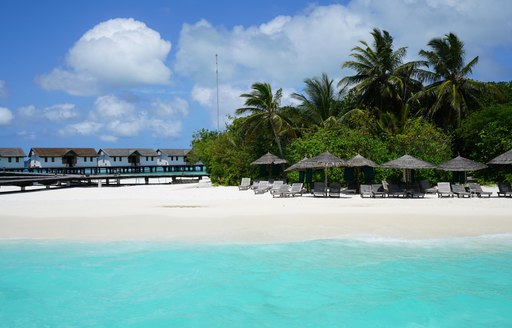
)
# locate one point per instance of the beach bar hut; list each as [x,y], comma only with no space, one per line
[462,165]
[12,159]
[408,163]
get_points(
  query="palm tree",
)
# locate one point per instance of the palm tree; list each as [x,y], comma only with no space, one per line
[265,113]
[450,90]
[320,104]
[382,80]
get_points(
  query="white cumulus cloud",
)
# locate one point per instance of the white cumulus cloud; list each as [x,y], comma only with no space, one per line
[54,113]
[115,53]
[110,106]
[229,101]
[289,48]
[6,116]
[114,117]
[82,128]
[60,112]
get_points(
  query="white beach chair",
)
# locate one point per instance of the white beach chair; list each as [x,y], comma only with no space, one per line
[444,189]
[245,184]
[262,188]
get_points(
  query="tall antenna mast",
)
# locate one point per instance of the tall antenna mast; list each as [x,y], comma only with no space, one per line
[217,74]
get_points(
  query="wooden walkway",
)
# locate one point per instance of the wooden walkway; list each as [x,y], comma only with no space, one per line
[24,180]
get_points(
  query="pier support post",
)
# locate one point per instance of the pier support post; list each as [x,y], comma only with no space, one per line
[146,180]
[99,183]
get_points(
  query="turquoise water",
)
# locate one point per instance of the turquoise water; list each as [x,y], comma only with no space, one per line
[335,283]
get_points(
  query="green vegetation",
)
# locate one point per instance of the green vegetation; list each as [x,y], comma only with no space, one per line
[429,109]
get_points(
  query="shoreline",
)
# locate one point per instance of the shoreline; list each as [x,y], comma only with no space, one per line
[188,214]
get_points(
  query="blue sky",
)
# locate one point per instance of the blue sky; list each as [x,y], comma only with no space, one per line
[142,73]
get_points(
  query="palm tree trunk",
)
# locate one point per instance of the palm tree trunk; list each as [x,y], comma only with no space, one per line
[278,141]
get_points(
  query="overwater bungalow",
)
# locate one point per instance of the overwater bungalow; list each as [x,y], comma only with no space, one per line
[172,156]
[12,158]
[62,157]
[127,157]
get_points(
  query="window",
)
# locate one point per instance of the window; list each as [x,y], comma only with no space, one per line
[9,159]
[92,159]
[17,159]
[114,158]
[53,159]
[147,158]
[152,158]
[46,159]
[85,159]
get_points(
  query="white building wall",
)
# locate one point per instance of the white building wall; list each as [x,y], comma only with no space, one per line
[171,160]
[45,162]
[149,160]
[86,161]
[106,161]
[56,162]
[10,162]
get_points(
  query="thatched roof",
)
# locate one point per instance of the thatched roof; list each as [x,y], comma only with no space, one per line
[173,152]
[269,158]
[460,164]
[324,160]
[126,152]
[408,162]
[360,161]
[505,158]
[59,152]
[299,166]
[12,152]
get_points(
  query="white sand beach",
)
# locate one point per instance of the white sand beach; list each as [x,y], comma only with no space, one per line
[187,213]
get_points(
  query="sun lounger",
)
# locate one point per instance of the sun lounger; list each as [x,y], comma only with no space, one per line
[414,191]
[460,191]
[334,189]
[365,191]
[395,191]
[378,190]
[245,184]
[504,189]
[255,184]
[476,189]
[263,187]
[319,189]
[295,190]
[351,188]
[275,186]
[283,190]
[427,188]
[444,190]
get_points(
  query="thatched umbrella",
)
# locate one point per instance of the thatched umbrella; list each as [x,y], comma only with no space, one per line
[269,159]
[505,158]
[408,162]
[299,166]
[324,161]
[461,164]
[357,162]
[360,161]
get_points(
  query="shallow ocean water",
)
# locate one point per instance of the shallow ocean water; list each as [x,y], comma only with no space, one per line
[464,282]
